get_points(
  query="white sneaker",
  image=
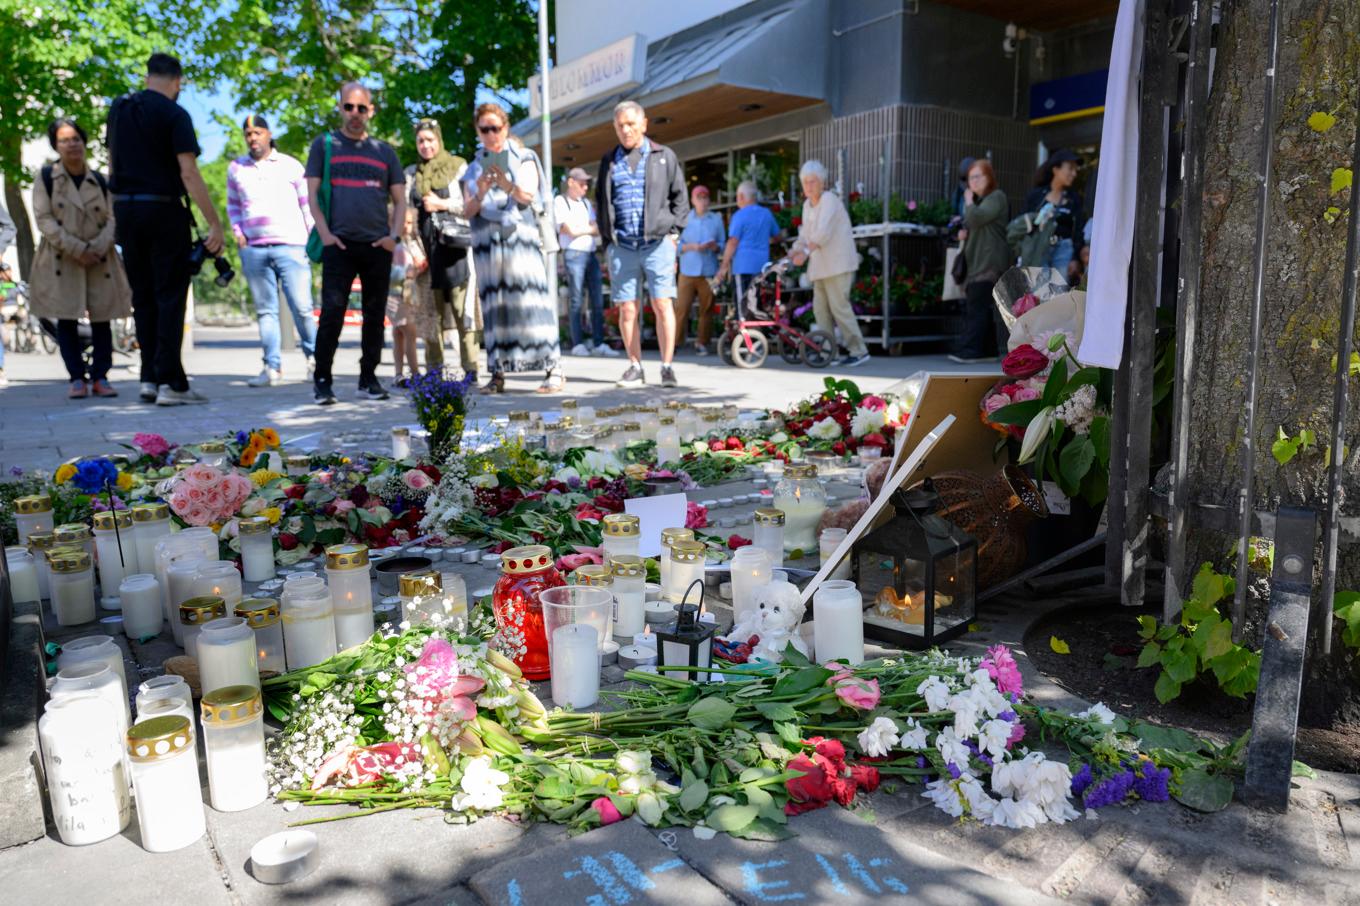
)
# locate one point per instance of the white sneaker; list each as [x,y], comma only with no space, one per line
[604,350]
[4,381]
[580,349]
[311,370]
[148,392]
[266,378]
[168,397]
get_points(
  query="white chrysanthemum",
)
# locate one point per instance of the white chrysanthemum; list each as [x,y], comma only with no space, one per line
[936,693]
[967,707]
[993,735]
[915,738]
[482,784]
[951,748]
[1099,712]
[1016,814]
[945,797]
[826,429]
[867,421]
[878,739]
[979,803]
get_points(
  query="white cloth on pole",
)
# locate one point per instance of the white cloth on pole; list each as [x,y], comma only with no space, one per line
[1107,287]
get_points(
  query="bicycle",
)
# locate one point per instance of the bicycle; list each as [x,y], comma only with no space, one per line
[745,343]
[25,333]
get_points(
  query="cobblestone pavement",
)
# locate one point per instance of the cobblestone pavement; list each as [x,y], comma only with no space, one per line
[39,426]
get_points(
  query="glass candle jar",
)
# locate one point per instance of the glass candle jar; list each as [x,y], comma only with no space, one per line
[525,571]
[141,599]
[116,552]
[827,542]
[72,586]
[212,453]
[150,523]
[751,569]
[87,783]
[768,534]
[233,737]
[256,538]
[219,578]
[94,678]
[668,537]
[687,567]
[401,443]
[227,655]
[631,431]
[165,781]
[23,575]
[630,595]
[100,649]
[263,616]
[598,575]
[297,464]
[838,622]
[517,425]
[167,707]
[351,593]
[76,534]
[179,583]
[308,623]
[170,685]
[455,597]
[194,614]
[585,416]
[622,534]
[801,496]
[39,544]
[421,596]
[32,514]
[667,441]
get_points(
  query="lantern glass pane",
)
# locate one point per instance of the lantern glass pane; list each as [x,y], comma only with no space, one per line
[896,585]
[955,596]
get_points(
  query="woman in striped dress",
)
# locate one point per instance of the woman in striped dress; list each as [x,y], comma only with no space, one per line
[520,319]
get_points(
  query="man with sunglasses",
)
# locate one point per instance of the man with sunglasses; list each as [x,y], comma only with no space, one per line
[366,220]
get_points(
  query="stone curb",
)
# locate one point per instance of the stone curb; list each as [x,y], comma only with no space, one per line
[21,697]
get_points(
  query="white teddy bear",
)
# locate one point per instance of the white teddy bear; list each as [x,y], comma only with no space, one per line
[775,617]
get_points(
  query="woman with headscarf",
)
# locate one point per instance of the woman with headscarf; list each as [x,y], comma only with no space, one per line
[77,272]
[501,189]
[442,278]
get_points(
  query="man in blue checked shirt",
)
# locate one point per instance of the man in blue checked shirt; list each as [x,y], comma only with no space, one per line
[641,205]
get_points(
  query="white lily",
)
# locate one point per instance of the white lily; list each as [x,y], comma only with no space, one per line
[878,739]
[1035,434]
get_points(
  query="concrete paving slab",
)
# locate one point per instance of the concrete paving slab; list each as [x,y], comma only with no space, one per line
[837,857]
[622,864]
[392,857]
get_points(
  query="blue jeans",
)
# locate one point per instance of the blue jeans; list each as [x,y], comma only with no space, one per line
[1059,256]
[264,267]
[583,276]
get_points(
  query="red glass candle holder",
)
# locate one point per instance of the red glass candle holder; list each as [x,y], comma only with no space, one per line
[525,571]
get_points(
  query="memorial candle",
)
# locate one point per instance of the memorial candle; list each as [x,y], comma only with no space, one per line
[351,588]
[86,776]
[263,616]
[838,622]
[308,623]
[750,570]
[233,737]
[257,548]
[219,578]
[141,598]
[194,614]
[179,585]
[768,534]
[630,595]
[165,781]
[100,649]
[94,678]
[227,655]
[116,551]
[23,575]
[687,566]
[39,544]
[668,537]
[801,497]
[168,686]
[72,580]
[401,443]
[621,533]
[150,523]
[827,542]
[32,514]
[575,665]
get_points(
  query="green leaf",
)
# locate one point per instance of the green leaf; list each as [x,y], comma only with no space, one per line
[555,787]
[1016,413]
[1341,179]
[1100,438]
[789,733]
[801,681]
[1166,688]
[764,830]
[1076,460]
[1058,645]
[711,713]
[1153,736]
[1204,792]
[1210,587]
[1180,665]
[694,795]
[1321,121]
[1056,383]
[731,818]
[1214,638]
[795,658]
[1147,626]
[1150,655]
[777,710]
[1299,769]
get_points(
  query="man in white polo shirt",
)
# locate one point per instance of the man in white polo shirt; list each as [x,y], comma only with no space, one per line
[579,235]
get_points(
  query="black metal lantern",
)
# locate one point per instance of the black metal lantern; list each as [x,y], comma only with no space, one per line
[688,641]
[919,571]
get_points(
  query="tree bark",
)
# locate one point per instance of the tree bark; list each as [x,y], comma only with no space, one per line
[15,203]
[1319,71]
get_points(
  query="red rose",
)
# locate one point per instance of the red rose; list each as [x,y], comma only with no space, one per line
[734,443]
[377,536]
[295,491]
[812,790]
[736,541]
[865,777]
[828,748]
[501,547]
[716,446]
[873,439]
[609,503]
[585,513]
[431,471]
[287,540]
[838,448]
[595,483]
[1024,361]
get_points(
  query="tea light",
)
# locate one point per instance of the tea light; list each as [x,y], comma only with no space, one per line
[725,590]
[653,591]
[575,665]
[728,522]
[112,625]
[724,502]
[660,612]
[610,654]
[645,638]
[387,611]
[741,499]
[708,504]
[633,657]
[491,562]
[708,617]
[471,556]
[285,857]
[759,482]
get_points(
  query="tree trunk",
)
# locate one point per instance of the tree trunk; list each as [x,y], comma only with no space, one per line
[1319,70]
[10,149]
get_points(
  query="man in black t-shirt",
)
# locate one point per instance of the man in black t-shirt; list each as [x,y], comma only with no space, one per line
[152,166]
[358,236]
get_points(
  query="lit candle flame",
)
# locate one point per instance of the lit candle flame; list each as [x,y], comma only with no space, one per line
[647,630]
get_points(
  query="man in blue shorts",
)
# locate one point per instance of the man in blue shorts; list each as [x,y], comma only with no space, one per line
[642,204]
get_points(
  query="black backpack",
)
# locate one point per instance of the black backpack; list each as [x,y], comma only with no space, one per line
[98,178]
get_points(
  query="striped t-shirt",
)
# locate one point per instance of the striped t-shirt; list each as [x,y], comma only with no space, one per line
[267,200]
[362,174]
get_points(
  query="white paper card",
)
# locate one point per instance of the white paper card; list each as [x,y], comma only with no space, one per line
[655,514]
[1059,504]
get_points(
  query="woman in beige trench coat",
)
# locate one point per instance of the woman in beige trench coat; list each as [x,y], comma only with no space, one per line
[77,271]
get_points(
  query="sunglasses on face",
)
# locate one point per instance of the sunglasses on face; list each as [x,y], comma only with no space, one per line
[489,130]
[350,108]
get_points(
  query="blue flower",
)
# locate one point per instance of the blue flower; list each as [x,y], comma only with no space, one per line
[1081,780]
[92,474]
[1151,783]
[242,438]
[1110,791]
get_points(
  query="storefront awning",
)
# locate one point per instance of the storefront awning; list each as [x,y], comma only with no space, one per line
[720,74]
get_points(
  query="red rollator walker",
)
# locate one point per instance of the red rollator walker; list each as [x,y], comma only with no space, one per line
[749,329]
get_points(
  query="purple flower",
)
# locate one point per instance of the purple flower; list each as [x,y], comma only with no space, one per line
[574,481]
[1152,783]
[954,770]
[921,761]
[1081,780]
[242,438]
[16,471]
[1110,791]
[1007,716]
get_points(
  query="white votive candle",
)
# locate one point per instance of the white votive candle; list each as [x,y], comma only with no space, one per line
[150,523]
[165,781]
[32,515]
[72,579]
[401,443]
[194,614]
[257,548]
[768,534]
[179,586]
[308,625]
[827,542]
[171,685]
[87,783]
[116,553]
[141,597]
[575,665]
[351,593]
[233,737]
[94,678]
[23,575]
[838,622]
[687,567]
[221,579]
[101,649]
[227,655]
[263,616]
[750,570]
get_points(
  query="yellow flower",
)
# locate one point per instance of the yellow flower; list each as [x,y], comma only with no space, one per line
[124,481]
[273,514]
[256,443]
[262,477]
[248,455]
[64,473]
[271,437]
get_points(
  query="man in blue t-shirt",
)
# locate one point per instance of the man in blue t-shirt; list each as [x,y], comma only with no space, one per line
[749,235]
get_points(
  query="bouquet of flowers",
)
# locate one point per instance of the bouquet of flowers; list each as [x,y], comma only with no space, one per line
[1058,410]
[205,495]
[440,404]
[843,419]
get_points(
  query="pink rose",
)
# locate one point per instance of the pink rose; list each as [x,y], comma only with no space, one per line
[862,695]
[343,506]
[696,516]
[994,402]
[1024,361]
[1025,303]
[416,480]
[1025,394]
[151,444]
[873,402]
[198,515]
[606,809]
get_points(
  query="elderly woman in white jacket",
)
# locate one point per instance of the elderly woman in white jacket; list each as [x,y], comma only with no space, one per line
[827,246]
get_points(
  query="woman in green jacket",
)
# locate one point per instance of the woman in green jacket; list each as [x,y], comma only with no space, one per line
[985,214]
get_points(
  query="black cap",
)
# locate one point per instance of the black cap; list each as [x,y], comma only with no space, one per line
[1062,156]
[256,121]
